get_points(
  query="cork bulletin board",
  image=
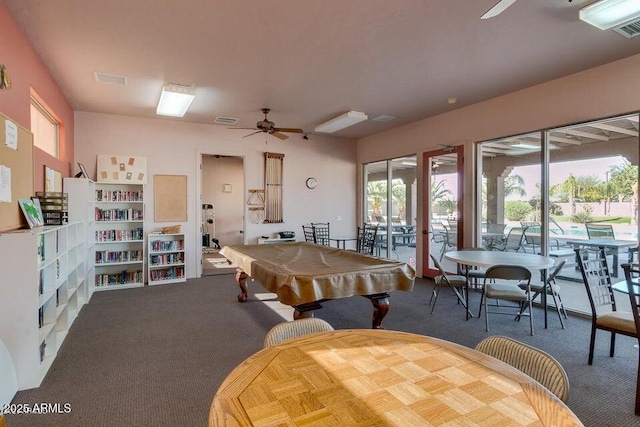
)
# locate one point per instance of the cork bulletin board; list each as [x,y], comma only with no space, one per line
[170,197]
[16,159]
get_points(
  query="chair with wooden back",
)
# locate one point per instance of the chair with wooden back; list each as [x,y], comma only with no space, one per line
[296,328]
[366,239]
[631,274]
[538,364]
[604,313]
[321,233]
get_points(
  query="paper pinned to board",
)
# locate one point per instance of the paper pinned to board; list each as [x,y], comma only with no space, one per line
[10,134]
[5,184]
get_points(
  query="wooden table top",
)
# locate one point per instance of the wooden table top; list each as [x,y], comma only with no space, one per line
[382,378]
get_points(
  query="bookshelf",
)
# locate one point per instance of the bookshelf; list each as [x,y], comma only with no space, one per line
[119,236]
[44,287]
[166,258]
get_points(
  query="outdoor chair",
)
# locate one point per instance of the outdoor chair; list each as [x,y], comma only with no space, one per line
[507,292]
[450,240]
[631,274]
[458,284]
[366,239]
[552,289]
[321,233]
[599,231]
[604,313]
[287,330]
[538,364]
[513,241]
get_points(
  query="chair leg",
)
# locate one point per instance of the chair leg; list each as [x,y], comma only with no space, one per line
[592,343]
[638,387]
[436,291]
[486,315]
[612,349]
[481,299]
[555,301]
[530,316]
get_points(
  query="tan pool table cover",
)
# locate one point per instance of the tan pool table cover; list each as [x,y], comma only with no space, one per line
[302,272]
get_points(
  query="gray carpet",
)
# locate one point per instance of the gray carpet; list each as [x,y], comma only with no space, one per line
[155,356]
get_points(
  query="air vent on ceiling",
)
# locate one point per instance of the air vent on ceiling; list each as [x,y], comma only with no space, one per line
[383,118]
[629,30]
[113,79]
[225,121]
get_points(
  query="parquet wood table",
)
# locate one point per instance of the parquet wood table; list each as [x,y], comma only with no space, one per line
[381,378]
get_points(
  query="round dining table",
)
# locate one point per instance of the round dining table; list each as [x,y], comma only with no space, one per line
[486,259]
[382,378]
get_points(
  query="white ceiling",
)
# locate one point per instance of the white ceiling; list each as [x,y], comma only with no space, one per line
[309,60]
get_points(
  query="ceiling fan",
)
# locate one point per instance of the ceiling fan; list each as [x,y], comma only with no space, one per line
[269,127]
[497,9]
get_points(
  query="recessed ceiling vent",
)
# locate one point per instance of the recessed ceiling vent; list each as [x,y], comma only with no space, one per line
[629,30]
[112,79]
[225,121]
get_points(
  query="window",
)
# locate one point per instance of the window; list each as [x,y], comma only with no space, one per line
[44,126]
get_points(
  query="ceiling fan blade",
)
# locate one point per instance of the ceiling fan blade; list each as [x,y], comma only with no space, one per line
[279,135]
[259,131]
[244,128]
[288,130]
[497,9]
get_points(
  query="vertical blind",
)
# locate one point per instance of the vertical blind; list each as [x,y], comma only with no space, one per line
[273,163]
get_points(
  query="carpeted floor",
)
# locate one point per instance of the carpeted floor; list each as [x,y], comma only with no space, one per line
[155,356]
[213,264]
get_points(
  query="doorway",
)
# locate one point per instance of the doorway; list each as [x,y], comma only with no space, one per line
[222,215]
[443,197]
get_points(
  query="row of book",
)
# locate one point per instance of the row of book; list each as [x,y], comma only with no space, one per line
[118,214]
[167,274]
[123,278]
[118,196]
[175,258]
[106,257]
[171,245]
[119,235]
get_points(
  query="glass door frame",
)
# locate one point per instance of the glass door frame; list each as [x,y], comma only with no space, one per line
[428,270]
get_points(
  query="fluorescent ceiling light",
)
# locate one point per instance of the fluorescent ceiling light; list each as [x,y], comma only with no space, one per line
[524,145]
[175,100]
[606,14]
[341,122]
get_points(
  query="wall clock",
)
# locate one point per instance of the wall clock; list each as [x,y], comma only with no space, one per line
[312,183]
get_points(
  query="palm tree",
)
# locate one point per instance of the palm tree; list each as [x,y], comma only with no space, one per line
[514,184]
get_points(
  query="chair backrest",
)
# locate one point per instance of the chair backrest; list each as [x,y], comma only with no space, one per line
[539,365]
[631,274]
[321,233]
[308,233]
[507,272]
[595,231]
[295,328]
[514,239]
[366,239]
[443,274]
[556,270]
[597,281]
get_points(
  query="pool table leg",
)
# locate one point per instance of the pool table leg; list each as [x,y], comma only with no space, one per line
[380,309]
[241,280]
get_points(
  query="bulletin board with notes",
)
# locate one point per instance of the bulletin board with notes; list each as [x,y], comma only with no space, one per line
[16,172]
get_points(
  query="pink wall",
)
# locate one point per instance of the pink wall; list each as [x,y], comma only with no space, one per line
[27,71]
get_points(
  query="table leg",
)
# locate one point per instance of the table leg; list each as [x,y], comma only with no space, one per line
[380,309]
[241,280]
[306,310]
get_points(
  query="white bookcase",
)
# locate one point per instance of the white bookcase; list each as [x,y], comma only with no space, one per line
[119,236]
[44,286]
[166,258]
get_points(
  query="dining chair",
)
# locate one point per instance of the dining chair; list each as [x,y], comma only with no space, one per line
[631,274]
[552,289]
[604,312]
[538,364]
[366,239]
[458,284]
[507,291]
[296,328]
[308,233]
[321,233]
[473,274]
[513,241]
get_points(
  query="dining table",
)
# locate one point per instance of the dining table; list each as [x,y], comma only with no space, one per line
[486,259]
[382,378]
[613,247]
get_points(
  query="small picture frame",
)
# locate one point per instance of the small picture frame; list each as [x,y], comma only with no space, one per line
[30,212]
[226,188]
[83,171]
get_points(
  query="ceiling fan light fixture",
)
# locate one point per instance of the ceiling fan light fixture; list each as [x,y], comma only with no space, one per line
[175,100]
[338,123]
[606,14]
